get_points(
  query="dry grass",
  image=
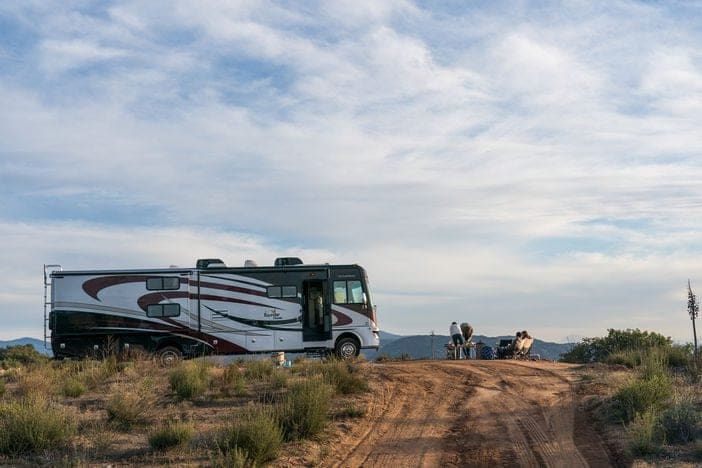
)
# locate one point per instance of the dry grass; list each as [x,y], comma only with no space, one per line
[111,411]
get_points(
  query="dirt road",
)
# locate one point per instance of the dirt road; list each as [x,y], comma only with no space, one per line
[471,413]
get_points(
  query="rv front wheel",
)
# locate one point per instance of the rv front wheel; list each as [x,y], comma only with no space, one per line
[168,356]
[347,348]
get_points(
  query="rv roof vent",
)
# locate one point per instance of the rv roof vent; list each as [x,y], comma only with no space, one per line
[209,263]
[287,261]
[250,263]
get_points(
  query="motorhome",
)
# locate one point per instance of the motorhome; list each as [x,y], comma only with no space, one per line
[211,309]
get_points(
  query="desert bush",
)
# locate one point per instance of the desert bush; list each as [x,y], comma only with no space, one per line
[171,434]
[641,395]
[39,380]
[654,363]
[95,373]
[126,409]
[277,380]
[350,411]
[2,387]
[680,356]
[235,458]
[22,354]
[256,433]
[190,379]
[32,424]
[645,434]
[259,369]
[679,421]
[344,377]
[303,413]
[629,358]
[72,387]
[232,381]
[597,349]
[383,358]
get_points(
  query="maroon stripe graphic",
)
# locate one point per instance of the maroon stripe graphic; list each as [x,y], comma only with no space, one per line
[157,297]
[341,319]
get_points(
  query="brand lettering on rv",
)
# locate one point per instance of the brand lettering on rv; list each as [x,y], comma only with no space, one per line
[272,314]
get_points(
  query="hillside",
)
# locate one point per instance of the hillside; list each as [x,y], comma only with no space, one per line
[420,346]
[38,344]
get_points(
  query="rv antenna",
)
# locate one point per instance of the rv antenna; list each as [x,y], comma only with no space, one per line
[693,308]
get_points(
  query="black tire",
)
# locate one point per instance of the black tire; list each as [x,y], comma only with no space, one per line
[347,348]
[169,356]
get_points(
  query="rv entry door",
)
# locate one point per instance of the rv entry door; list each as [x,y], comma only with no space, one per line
[316,311]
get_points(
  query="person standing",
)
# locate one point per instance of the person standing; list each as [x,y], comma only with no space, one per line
[457,338]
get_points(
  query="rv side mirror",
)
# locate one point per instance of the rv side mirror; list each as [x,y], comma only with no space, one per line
[365,300]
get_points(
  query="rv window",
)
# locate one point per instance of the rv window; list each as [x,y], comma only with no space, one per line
[274,291]
[339,292]
[289,291]
[355,292]
[169,282]
[163,310]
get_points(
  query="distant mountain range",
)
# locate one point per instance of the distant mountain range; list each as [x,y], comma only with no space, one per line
[426,346]
[38,344]
[416,346]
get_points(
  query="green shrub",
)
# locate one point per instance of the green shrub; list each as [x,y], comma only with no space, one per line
[256,434]
[172,434]
[680,356]
[95,373]
[232,381]
[73,388]
[639,396]
[22,354]
[2,387]
[190,379]
[32,424]
[645,434]
[39,380]
[277,380]
[597,349]
[235,458]
[259,369]
[126,409]
[303,413]
[628,358]
[343,376]
[654,364]
[350,411]
[679,422]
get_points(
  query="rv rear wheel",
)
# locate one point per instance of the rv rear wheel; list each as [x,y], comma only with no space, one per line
[168,356]
[347,348]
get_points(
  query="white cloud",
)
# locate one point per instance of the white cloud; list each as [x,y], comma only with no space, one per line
[441,149]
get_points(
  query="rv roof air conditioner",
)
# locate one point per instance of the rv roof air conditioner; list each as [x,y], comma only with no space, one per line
[250,263]
[210,263]
[287,261]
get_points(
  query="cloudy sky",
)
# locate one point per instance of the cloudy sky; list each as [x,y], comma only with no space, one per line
[512,164]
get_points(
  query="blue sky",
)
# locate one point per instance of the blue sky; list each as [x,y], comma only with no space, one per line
[512,164]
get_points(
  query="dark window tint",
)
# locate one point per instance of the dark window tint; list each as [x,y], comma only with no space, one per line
[282,291]
[167,282]
[163,310]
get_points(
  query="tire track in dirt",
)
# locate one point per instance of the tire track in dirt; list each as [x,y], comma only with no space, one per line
[534,403]
[476,413]
[410,430]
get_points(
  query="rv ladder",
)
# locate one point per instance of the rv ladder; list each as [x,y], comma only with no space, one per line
[47,302]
